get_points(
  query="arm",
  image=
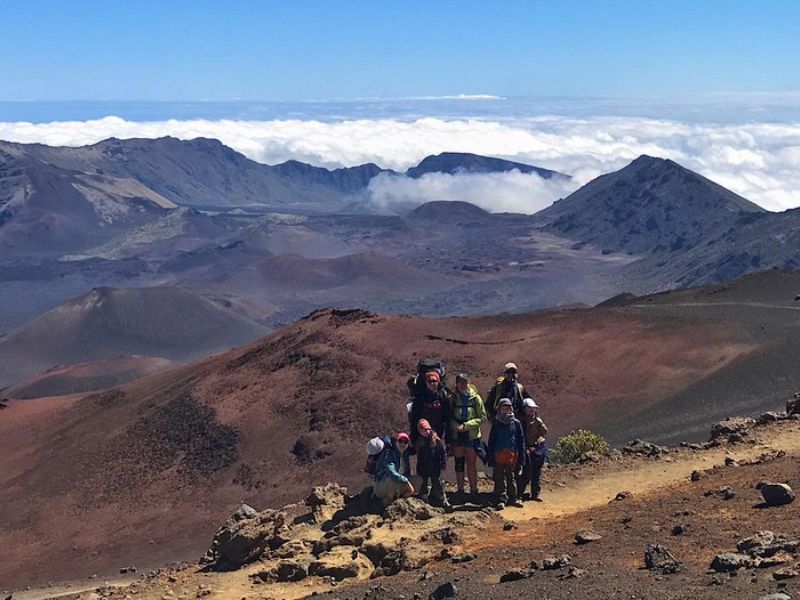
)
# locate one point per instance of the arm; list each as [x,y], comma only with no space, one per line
[522,451]
[490,447]
[491,400]
[474,424]
[395,474]
[415,414]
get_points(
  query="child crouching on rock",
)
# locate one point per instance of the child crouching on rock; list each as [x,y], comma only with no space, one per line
[392,477]
[506,452]
[431,460]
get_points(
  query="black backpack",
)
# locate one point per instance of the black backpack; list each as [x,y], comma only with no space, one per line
[416,383]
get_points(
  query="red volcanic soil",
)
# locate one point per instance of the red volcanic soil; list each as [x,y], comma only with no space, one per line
[144,473]
[87,377]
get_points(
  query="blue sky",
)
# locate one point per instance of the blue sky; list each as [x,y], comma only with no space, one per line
[202,50]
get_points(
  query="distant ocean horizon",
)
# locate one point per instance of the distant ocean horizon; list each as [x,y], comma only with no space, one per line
[716,108]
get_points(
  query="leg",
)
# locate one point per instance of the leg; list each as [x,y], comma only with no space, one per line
[459,453]
[472,469]
[524,479]
[511,483]
[437,492]
[423,488]
[499,484]
[536,475]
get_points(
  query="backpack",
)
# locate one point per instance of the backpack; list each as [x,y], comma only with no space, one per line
[416,383]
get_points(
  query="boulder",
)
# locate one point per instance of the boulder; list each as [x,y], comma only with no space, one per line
[658,558]
[325,500]
[770,417]
[731,426]
[342,563]
[766,543]
[446,590]
[586,536]
[776,596]
[244,536]
[730,561]
[776,494]
[411,509]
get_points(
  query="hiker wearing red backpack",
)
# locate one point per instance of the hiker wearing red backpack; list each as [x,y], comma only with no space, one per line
[507,386]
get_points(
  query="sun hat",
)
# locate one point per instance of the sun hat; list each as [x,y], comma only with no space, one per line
[510,366]
[529,403]
[374,446]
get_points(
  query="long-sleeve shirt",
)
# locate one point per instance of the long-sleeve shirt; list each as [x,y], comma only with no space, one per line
[391,465]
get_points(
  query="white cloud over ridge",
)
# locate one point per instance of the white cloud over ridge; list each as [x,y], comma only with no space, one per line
[760,161]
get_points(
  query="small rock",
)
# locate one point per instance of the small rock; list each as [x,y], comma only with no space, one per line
[779,558]
[770,417]
[586,536]
[730,561]
[731,462]
[573,573]
[658,558]
[787,572]
[463,558]
[516,575]
[621,496]
[731,426]
[696,475]
[680,529]
[507,526]
[777,494]
[446,590]
[552,562]
[776,596]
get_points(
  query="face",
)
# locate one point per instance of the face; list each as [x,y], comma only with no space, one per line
[505,409]
[530,411]
[511,374]
[402,444]
[426,431]
[432,383]
[462,386]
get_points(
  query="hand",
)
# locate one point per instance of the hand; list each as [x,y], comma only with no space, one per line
[410,487]
[461,428]
[540,440]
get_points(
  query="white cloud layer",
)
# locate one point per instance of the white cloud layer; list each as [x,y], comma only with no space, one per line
[495,192]
[760,161]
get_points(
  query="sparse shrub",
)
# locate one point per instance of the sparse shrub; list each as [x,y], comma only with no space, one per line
[570,447]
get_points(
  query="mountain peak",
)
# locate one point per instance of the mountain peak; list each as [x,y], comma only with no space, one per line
[650,204]
[452,163]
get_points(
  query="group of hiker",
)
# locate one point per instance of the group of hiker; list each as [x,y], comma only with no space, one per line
[447,422]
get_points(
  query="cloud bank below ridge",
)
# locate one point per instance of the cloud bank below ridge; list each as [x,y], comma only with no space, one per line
[760,161]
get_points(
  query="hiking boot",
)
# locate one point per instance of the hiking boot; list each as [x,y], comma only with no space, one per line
[447,506]
[525,497]
[500,506]
[474,497]
[537,499]
[515,503]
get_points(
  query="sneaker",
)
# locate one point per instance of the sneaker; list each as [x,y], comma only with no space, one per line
[525,497]
[500,506]
[515,503]
[537,499]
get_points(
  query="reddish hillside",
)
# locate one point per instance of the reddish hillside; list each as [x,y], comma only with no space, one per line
[108,322]
[161,461]
[87,377]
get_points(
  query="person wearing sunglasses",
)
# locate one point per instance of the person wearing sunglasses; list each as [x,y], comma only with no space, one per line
[431,403]
[392,474]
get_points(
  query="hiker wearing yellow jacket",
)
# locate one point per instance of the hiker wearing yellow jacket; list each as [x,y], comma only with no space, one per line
[467,412]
